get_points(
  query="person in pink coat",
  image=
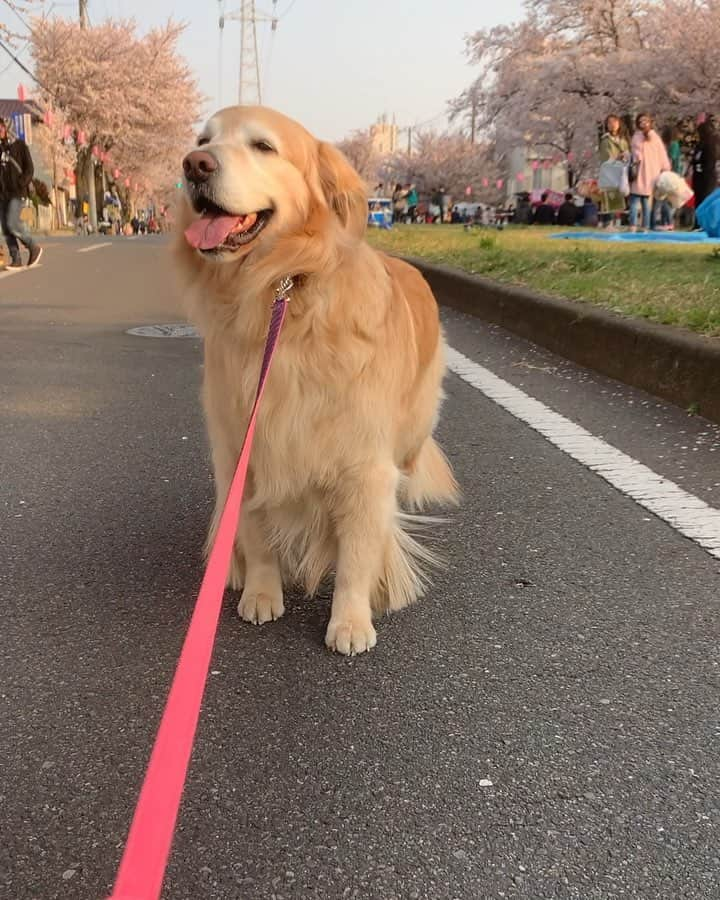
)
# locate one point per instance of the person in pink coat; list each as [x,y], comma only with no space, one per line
[649,151]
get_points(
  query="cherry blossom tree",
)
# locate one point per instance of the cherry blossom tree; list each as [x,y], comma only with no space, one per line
[547,81]
[681,66]
[446,160]
[449,161]
[55,153]
[358,148]
[132,97]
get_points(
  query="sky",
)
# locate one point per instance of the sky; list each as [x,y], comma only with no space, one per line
[334,65]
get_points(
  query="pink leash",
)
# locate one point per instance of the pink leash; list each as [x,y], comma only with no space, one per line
[142,868]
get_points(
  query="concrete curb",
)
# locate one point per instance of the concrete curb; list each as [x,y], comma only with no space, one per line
[668,362]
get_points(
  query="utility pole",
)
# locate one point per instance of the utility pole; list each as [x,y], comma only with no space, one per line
[89,158]
[249,82]
[249,90]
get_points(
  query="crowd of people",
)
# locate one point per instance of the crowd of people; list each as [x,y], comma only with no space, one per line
[639,160]
[647,155]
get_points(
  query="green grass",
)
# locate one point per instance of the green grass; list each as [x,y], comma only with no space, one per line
[674,284]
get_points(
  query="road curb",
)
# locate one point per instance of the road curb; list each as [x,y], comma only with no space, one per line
[668,362]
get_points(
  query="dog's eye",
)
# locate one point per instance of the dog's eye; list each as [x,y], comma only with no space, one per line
[202,141]
[263,147]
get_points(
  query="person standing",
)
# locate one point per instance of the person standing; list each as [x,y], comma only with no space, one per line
[412,202]
[16,172]
[703,162]
[614,146]
[671,139]
[399,199]
[650,157]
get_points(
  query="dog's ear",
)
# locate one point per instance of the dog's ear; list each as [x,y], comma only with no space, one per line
[343,189]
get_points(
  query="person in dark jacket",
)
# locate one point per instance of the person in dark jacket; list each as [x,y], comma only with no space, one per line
[703,162]
[567,214]
[16,172]
[544,214]
[590,213]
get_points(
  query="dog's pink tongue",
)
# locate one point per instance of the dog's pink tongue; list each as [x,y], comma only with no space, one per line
[208,232]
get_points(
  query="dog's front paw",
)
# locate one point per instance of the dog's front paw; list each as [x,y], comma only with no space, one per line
[236,575]
[259,607]
[350,636]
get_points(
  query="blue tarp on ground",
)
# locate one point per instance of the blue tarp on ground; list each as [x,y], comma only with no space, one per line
[708,214]
[655,237]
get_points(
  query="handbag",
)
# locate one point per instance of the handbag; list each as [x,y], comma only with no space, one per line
[613,176]
[634,168]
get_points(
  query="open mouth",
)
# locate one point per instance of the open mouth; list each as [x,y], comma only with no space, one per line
[219,230]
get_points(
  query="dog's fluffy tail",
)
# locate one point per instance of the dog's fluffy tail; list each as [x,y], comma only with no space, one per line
[408,562]
[430,480]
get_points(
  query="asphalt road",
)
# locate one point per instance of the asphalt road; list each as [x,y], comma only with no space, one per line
[545,724]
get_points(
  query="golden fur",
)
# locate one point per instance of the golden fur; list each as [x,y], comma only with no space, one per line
[344,433]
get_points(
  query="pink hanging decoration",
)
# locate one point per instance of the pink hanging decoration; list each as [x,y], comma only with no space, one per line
[499,183]
[570,156]
[116,174]
[520,176]
[468,191]
[21,94]
[485,182]
[535,165]
[127,182]
[81,138]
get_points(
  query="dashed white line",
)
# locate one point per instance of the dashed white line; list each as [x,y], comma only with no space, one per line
[95,247]
[685,512]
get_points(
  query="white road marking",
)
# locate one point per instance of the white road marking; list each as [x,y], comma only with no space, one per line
[95,247]
[6,273]
[685,512]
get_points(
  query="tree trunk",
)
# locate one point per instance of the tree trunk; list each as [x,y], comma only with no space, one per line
[54,216]
[92,193]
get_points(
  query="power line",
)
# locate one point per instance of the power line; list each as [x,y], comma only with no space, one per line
[440,115]
[286,11]
[27,71]
[12,62]
[20,16]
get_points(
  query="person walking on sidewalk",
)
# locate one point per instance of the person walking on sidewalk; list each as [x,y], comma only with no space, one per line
[16,172]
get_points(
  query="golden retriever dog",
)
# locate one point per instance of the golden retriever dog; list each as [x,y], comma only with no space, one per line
[344,452]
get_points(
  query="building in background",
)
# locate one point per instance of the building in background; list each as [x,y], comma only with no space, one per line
[384,136]
[532,172]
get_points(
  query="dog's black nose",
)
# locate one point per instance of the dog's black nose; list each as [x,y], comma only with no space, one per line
[199,166]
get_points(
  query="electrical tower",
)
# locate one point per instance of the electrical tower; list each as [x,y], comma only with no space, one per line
[249,81]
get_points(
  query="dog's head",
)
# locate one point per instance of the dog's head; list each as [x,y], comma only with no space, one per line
[257,180]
